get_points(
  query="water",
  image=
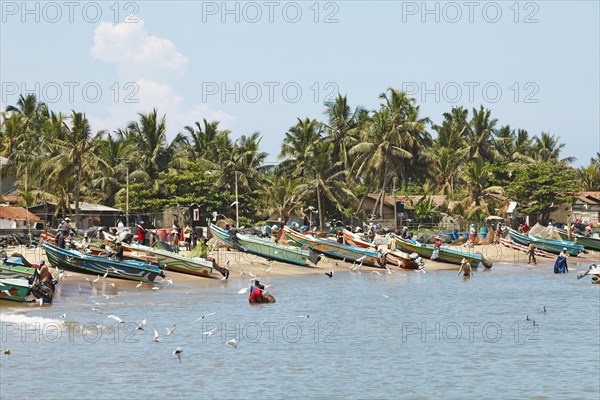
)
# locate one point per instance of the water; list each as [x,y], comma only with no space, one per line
[436,335]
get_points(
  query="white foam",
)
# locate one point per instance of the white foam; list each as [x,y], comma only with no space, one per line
[29,322]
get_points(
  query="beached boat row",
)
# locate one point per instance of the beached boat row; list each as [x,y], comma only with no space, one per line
[263,248]
[22,281]
[549,245]
[589,243]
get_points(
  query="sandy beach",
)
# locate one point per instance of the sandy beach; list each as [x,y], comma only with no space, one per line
[240,262]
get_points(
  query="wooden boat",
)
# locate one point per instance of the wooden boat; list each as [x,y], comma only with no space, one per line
[396,258]
[176,262]
[589,243]
[552,246]
[452,256]
[334,249]
[17,266]
[128,254]
[263,248]
[15,289]
[76,261]
[513,245]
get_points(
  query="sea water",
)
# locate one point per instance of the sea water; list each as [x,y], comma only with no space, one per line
[409,334]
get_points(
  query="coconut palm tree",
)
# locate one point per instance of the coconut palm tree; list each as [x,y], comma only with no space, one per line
[548,148]
[478,139]
[341,128]
[296,144]
[201,140]
[322,178]
[149,137]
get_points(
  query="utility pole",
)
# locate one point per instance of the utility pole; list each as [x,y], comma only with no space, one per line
[395,205]
[237,204]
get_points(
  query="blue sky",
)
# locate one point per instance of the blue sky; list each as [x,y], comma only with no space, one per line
[258,66]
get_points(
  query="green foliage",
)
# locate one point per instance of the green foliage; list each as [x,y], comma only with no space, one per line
[426,211]
[538,186]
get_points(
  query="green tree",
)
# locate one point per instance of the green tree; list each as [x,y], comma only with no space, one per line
[540,186]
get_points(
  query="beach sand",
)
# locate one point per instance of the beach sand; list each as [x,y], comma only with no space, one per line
[258,266]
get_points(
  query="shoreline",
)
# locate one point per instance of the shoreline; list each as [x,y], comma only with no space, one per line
[260,267]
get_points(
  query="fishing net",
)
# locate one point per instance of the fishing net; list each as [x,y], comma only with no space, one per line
[544,232]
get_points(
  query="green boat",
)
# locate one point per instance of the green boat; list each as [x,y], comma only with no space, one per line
[176,262]
[15,289]
[445,255]
[263,248]
[589,243]
[15,267]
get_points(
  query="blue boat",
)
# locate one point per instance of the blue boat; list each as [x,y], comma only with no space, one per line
[552,246]
[76,261]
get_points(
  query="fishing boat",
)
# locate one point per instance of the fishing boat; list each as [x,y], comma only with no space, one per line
[15,289]
[17,273]
[76,261]
[334,249]
[396,258]
[552,246]
[589,243]
[452,256]
[17,266]
[263,248]
[177,262]
[515,246]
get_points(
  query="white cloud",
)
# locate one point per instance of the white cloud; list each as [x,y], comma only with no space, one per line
[161,96]
[150,62]
[135,52]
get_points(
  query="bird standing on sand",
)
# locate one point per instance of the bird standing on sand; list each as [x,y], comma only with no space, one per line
[139,285]
[96,280]
[177,353]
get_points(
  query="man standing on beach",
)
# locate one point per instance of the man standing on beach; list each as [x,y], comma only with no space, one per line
[531,253]
[141,233]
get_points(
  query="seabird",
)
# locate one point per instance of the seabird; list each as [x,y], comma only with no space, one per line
[232,343]
[155,288]
[105,274]
[156,337]
[303,316]
[96,280]
[385,296]
[139,285]
[329,274]
[63,315]
[6,352]
[204,316]
[376,272]
[142,325]
[40,302]
[119,320]
[210,333]
[177,353]
[170,331]
[243,291]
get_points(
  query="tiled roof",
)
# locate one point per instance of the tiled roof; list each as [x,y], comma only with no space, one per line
[17,214]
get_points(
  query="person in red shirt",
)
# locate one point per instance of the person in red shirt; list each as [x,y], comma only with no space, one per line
[255,296]
[142,233]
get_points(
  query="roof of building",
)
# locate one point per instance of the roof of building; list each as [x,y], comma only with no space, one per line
[591,198]
[17,213]
[84,207]
[438,200]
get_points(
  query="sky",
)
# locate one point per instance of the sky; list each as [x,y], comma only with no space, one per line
[259,66]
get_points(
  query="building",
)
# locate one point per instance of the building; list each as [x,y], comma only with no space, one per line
[585,207]
[17,217]
[89,214]
[404,205]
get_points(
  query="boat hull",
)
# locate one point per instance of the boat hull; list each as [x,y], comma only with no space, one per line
[289,254]
[445,255]
[587,242]
[335,250]
[15,289]
[75,261]
[552,246]
[176,262]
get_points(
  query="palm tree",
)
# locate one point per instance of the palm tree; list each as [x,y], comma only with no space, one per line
[75,152]
[478,139]
[478,193]
[548,148]
[296,144]
[341,128]
[323,178]
[149,138]
[202,140]
[280,197]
